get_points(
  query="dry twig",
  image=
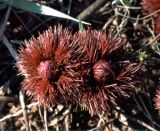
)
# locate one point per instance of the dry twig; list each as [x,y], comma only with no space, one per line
[137,120]
[18,113]
[57,118]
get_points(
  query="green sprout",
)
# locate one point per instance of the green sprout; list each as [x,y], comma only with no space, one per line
[143,56]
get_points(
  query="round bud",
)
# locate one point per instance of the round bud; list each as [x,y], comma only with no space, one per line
[102,71]
[43,69]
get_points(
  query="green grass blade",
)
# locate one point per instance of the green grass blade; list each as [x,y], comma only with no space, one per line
[40,9]
[81,28]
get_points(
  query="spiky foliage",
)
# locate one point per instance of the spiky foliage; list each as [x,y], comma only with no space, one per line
[48,64]
[151,7]
[157,25]
[107,73]
[157,100]
[89,68]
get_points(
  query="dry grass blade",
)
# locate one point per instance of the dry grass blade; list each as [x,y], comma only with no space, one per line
[89,10]
[2,28]
[21,94]
[45,119]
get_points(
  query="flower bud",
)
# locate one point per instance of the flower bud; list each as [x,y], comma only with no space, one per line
[43,69]
[102,71]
